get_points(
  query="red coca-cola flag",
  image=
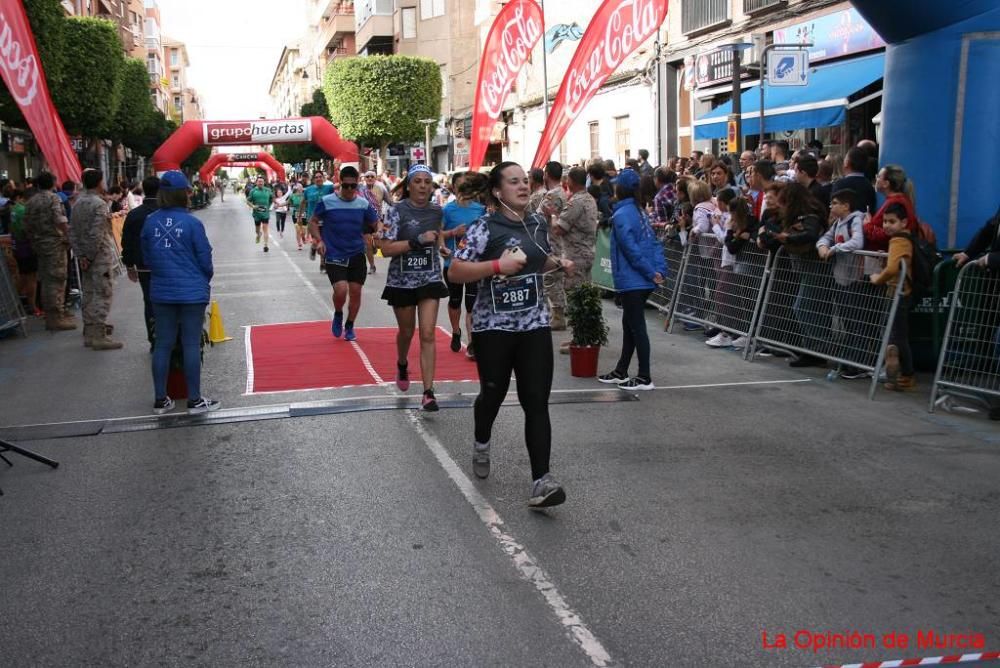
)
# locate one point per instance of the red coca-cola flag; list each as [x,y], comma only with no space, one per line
[25,79]
[616,30]
[513,35]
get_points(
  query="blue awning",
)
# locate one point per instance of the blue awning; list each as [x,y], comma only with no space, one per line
[820,104]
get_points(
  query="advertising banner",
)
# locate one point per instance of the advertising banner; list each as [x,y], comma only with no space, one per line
[513,35]
[224,133]
[22,72]
[832,35]
[618,28]
[600,273]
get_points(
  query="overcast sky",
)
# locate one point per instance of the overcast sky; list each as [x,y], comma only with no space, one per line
[234,46]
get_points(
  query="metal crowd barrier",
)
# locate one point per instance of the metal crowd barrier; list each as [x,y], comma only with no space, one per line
[723,297]
[663,296]
[826,309]
[969,365]
[11,311]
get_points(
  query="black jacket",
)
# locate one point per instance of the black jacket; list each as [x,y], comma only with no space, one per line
[131,231]
[862,188]
[987,240]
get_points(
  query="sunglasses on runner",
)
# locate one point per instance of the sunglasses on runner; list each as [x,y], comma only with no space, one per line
[349,186]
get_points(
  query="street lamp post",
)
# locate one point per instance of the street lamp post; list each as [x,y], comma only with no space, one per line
[427,138]
[763,76]
[737,49]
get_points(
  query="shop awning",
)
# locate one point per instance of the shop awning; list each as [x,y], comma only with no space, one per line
[821,104]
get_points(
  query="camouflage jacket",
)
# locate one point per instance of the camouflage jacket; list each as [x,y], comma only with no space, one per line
[44,218]
[579,223]
[90,228]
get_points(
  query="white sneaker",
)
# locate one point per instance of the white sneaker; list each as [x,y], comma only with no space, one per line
[720,340]
[741,342]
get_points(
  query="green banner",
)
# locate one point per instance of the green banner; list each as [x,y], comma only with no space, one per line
[600,273]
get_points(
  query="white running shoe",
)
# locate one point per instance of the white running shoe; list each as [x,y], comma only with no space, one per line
[741,342]
[720,340]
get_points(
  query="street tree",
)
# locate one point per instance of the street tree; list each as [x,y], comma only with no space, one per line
[378,100]
[135,118]
[89,103]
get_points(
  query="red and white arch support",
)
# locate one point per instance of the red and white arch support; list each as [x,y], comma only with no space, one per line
[259,159]
[192,134]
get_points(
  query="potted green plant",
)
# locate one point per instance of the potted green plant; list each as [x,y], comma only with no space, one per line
[590,331]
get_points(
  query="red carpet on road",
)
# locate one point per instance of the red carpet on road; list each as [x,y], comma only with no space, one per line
[379,346]
[302,356]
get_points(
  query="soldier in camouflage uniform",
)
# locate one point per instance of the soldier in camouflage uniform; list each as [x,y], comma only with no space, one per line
[47,228]
[537,178]
[552,204]
[576,230]
[94,246]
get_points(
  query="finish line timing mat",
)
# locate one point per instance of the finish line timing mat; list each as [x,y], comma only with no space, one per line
[300,356]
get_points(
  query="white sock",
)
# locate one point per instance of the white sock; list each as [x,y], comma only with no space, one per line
[482,446]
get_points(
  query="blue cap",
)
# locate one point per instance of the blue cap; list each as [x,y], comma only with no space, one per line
[628,179]
[174,180]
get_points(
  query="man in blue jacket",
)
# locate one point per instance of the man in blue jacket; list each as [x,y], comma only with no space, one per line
[176,250]
[637,267]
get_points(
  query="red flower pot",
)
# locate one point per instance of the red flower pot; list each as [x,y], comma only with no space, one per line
[583,361]
[176,384]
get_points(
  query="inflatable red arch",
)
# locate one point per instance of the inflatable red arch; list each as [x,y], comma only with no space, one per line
[256,165]
[192,134]
[259,159]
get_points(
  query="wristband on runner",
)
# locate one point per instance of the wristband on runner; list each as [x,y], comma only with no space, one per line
[496,267]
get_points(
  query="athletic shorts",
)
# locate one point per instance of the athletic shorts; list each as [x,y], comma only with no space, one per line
[356,270]
[403,297]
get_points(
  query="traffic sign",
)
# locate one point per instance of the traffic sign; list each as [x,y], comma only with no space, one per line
[788,68]
[417,153]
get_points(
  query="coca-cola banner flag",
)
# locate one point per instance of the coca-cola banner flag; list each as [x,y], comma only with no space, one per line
[617,29]
[514,33]
[22,72]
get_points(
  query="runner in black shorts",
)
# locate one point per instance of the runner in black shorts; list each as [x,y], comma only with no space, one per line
[415,285]
[340,221]
[459,214]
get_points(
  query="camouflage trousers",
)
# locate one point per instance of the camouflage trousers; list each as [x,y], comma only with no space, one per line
[558,283]
[52,272]
[98,286]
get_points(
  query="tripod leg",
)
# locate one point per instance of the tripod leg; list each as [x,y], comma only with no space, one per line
[6,446]
[5,459]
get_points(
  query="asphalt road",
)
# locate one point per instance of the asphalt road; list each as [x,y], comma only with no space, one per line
[699,518]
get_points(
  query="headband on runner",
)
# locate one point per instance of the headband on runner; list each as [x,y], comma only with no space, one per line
[416,169]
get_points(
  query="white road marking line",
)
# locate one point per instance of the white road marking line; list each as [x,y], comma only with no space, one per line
[523,561]
[695,386]
[327,306]
[249,351]
[368,363]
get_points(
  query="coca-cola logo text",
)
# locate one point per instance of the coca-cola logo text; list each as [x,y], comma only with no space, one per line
[628,25]
[21,71]
[517,38]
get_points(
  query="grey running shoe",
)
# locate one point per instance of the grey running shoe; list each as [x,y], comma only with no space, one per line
[546,492]
[481,462]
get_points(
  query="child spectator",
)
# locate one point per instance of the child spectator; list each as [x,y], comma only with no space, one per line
[837,246]
[898,356]
[740,227]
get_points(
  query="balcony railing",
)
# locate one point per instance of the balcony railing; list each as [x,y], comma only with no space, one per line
[754,6]
[698,15]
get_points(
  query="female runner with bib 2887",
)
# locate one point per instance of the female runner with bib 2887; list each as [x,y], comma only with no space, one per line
[415,284]
[508,253]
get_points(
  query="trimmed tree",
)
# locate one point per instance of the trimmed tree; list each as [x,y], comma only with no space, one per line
[378,100]
[94,61]
[134,119]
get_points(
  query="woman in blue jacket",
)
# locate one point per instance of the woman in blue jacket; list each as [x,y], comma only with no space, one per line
[637,267]
[179,258]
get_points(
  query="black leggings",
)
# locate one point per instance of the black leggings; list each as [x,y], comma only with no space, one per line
[529,355]
[634,336]
[279,220]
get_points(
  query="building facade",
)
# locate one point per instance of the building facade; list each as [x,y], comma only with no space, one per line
[838,106]
[180,101]
[159,83]
[128,16]
[290,85]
